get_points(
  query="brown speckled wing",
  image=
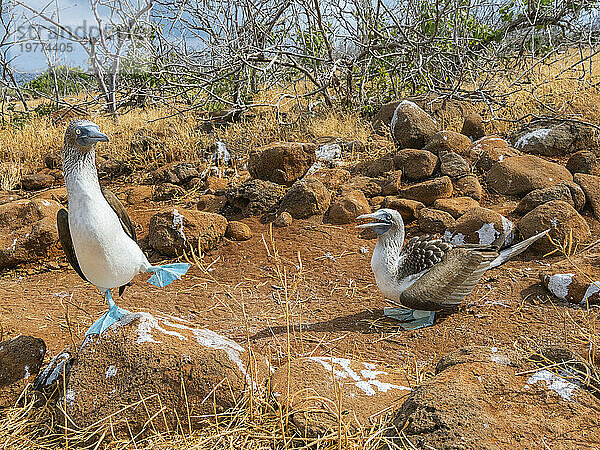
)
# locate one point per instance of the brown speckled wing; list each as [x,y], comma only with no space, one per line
[64,235]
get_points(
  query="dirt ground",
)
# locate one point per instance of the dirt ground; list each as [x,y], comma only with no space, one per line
[333,306]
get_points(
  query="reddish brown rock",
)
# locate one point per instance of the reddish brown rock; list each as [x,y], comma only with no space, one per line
[455,206]
[346,207]
[584,161]
[174,231]
[520,175]
[281,162]
[486,152]
[428,191]
[433,221]
[468,186]
[572,287]
[411,126]
[158,366]
[20,358]
[28,232]
[284,219]
[562,220]
[408,209]
[308,389]
[333,179]
[494,400]
[554,140]
[590,184]
[415,164]
[211,203]
[448,141]
[36,181]
[306,198]
[453,165]
[214,184]
[567,191]
[365,184]
[480,226]
[473,127]
[392,183]
[238,231]
[383,118]
[254,197]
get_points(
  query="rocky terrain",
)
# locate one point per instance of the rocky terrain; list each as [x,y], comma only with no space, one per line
[281,303]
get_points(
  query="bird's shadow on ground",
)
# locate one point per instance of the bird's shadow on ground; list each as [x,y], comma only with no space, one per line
[360,322]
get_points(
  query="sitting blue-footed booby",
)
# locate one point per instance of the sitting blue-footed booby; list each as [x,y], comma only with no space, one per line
[96,234]
[428,274]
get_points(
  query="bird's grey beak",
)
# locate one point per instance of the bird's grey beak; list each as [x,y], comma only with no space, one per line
[377,220]
[95,135]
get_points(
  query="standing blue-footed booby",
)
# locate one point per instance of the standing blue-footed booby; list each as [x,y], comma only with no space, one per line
[96,234]
[428,274]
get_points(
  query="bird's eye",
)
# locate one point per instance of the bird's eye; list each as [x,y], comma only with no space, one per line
[78,131]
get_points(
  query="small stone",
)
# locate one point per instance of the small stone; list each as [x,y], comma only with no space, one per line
[284,219]
[415,164]
[166,191]
[572,287]
[453,165]
[480,226]
[473,127]
[590,184]
[456,206]
[449,141]
[211,203]
[584,161]
[408,209]
[433,221]
[37,181]
[306,198]
[428,191]
[238,231]
[20,358]
[468,186]
[333,178]
[346,207]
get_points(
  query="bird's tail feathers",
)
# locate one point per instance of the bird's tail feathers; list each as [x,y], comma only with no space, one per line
[514,250]
[165,275]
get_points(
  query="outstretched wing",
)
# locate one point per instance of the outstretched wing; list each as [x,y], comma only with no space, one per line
[448,282]
[119,209]
[421,253]
[64,234]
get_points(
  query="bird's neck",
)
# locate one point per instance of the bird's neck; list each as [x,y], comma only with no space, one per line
[388,249]
[79,169]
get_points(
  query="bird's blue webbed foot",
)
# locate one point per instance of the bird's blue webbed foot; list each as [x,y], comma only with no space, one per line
[165,275]
[114,314]
[410,319]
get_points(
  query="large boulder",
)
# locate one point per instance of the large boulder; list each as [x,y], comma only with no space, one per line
[310,388]
[591,187]
[282,162]
[173,231]
[490,398]
[383,118]
[411,126]
[567,191]
[346,207]
[254,197]
[28,231]
[448,141]
[480,226]
[306,198]
[145,366]
[415,164]
[20,360]
[473,126]
[562,220]
[520,175]
[428,192]
[554,140]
